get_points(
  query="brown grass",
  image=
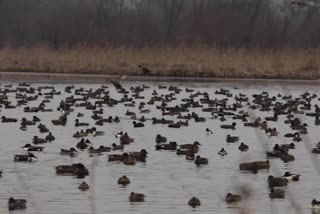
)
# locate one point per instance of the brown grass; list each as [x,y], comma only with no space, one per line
[182,61]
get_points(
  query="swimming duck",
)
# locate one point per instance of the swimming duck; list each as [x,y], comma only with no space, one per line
[29,147]
[61,121]
[117,147]
[315,203]
[137,125]
[92,150]
[276,193]
[118,135]
[254,166]
[8,120]
[232,139]
[35,119]
[16,204]
[117,157]
[125,139]
[222,152]
[232,198]
[83,144]
[24,158]
[124,180]
[83,186]
[75,169]
[104,148]
[23,127]
[285,157]
[190,156]
[50,137]
[193,146]
[160,139]
[201,161]
[208,131]
[26,122]
[297,137]
[80,124]
[36,140]
[232,126]
[139,156]
[72,151]
[290,176]
[277,181]
[171,146]
[42,128]
[194,202]
[243,147]
[136,197]
[129,160]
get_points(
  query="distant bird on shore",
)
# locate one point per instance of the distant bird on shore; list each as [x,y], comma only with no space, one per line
[145,71]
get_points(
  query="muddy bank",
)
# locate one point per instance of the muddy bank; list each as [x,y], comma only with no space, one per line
[103,79]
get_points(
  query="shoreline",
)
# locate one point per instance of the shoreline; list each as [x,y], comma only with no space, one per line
[43,77]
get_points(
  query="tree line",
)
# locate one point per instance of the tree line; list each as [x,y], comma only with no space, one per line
[140,23]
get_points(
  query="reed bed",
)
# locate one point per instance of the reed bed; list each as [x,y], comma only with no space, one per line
[180,61]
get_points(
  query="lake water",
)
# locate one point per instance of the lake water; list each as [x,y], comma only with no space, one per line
[167,180]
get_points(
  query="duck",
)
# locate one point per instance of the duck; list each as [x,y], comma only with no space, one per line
[104,148]
[26,122]
[277,181]
[160,139]
[297,137]
[125,139]
[201,161]
[190,156]
[285,157]
[36,140]
[232,126]
[30,148]
[35,119]
[50,137]
[118,135]
[232,139]
[170,146]
[78,170]
[136,197]
[23,128]
[276,193]
[17,204]
[243,147]
[8,120]
[117,147]
[80,124]
[293,177]
[42,128]
[254,166]
[208,131]
[92,150]
[194,202]
[129,160]
[137,125]
[83,186]
[193,146]
[222,152]
[232,198]
[183,152]
[83,144]
[24,158]
[72,151]
[124,180]
[117,157]
[315,203]
[139,156]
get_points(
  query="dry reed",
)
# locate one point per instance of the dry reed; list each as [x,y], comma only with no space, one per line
[180,61]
